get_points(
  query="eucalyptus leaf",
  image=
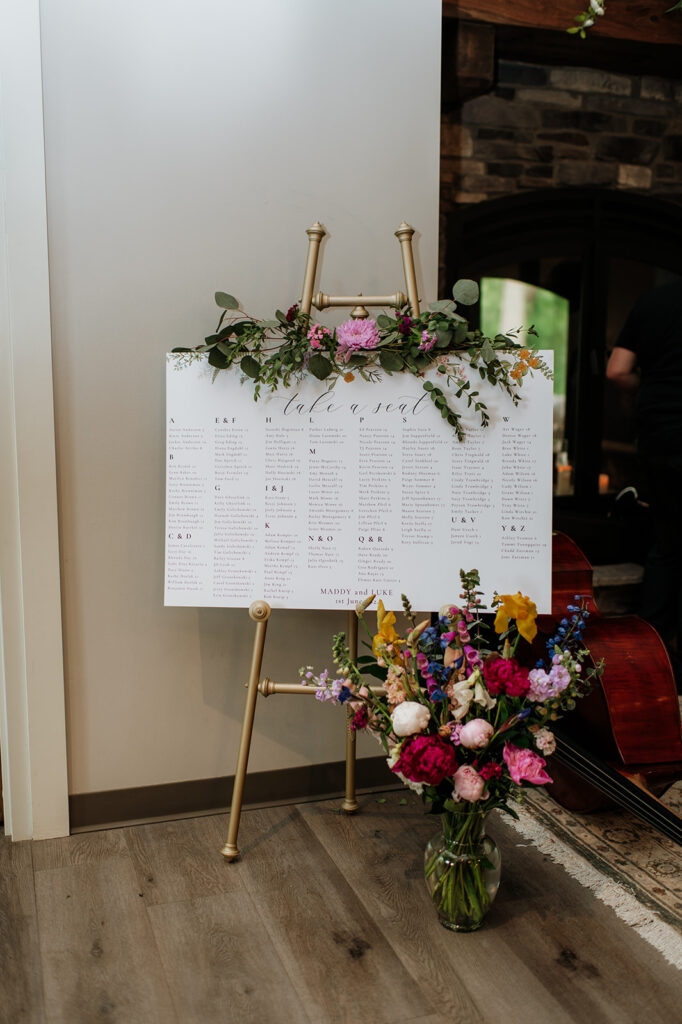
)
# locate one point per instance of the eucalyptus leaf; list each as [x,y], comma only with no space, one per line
[384,321]
[391,361]
[465,291]
[226,301]
[442,306]
[217,359]
[320,366]
[250,367]
[487,351]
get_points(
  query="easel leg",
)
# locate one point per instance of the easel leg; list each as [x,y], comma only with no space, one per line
[350,803]
[259,612]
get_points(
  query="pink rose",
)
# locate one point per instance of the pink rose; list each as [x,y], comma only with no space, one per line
[476,734]
[468,784]
[525,765]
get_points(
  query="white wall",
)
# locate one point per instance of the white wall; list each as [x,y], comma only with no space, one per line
[188,147]
[32,728]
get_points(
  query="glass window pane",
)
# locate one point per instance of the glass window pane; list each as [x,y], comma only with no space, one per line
[508,305]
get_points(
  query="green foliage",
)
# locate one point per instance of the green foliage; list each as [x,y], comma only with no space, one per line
[272,353]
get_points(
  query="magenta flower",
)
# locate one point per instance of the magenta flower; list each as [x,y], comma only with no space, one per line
[317,334]
[427,342]
[525,765]
[426,759]
[354,335]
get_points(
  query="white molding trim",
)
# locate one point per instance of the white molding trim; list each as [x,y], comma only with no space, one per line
[32,718]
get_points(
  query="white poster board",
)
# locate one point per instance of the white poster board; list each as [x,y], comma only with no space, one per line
[316,498]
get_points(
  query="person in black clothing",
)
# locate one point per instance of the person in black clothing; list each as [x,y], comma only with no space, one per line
[651,343]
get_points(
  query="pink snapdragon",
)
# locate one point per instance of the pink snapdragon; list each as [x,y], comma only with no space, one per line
[525,765]
[546,685]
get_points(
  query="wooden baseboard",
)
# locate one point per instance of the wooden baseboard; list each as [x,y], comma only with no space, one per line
[201,796]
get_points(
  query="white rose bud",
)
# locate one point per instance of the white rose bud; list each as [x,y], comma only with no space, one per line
[409,718]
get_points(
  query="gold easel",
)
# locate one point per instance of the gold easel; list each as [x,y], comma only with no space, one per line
[260,610]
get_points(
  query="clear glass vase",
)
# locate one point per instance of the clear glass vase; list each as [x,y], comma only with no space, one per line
[462,869]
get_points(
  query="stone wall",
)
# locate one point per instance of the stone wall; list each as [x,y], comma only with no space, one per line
[553,127]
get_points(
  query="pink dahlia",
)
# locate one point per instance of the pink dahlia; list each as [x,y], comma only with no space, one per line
[505,675]
[354,335]
[426,759]
[525,765]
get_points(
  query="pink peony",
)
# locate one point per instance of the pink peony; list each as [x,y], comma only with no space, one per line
[476,734]
[468,784]
[505,675]
[525,765]
[354,335]
[426,759]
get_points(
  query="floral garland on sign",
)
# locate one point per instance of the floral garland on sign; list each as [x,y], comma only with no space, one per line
[272,353]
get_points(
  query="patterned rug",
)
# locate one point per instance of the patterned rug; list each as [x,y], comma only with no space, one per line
[644,867]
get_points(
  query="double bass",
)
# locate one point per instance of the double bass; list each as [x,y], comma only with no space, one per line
[623,742]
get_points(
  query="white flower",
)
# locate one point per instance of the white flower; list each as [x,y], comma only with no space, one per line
[544,741]
[409,718]
[461,695]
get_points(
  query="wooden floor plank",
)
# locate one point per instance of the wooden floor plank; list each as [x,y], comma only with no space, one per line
[21,992]
[99,957]
[557,953]
[598,968]
[84,848]
[179,860]
[387,842]
[337,958]
[220,964]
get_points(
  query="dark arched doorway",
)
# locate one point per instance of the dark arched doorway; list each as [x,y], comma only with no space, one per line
[599,250]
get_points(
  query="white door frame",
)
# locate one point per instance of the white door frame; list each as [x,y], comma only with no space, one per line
[32,717]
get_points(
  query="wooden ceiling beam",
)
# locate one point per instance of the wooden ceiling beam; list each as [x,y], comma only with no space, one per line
[643,21]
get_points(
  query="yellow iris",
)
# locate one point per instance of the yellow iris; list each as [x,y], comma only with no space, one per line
[516,606]
[385,625]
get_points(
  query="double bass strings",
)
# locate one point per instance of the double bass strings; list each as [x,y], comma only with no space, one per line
[608,781]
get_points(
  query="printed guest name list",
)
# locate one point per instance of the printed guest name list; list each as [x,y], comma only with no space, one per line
[315,497]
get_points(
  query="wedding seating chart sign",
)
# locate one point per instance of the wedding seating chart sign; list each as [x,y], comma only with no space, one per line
[316,498]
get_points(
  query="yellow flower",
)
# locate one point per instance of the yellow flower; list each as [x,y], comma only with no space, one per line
[386,633]
[516,606]
[348,377]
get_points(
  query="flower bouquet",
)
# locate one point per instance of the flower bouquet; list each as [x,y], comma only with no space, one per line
[465,721]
